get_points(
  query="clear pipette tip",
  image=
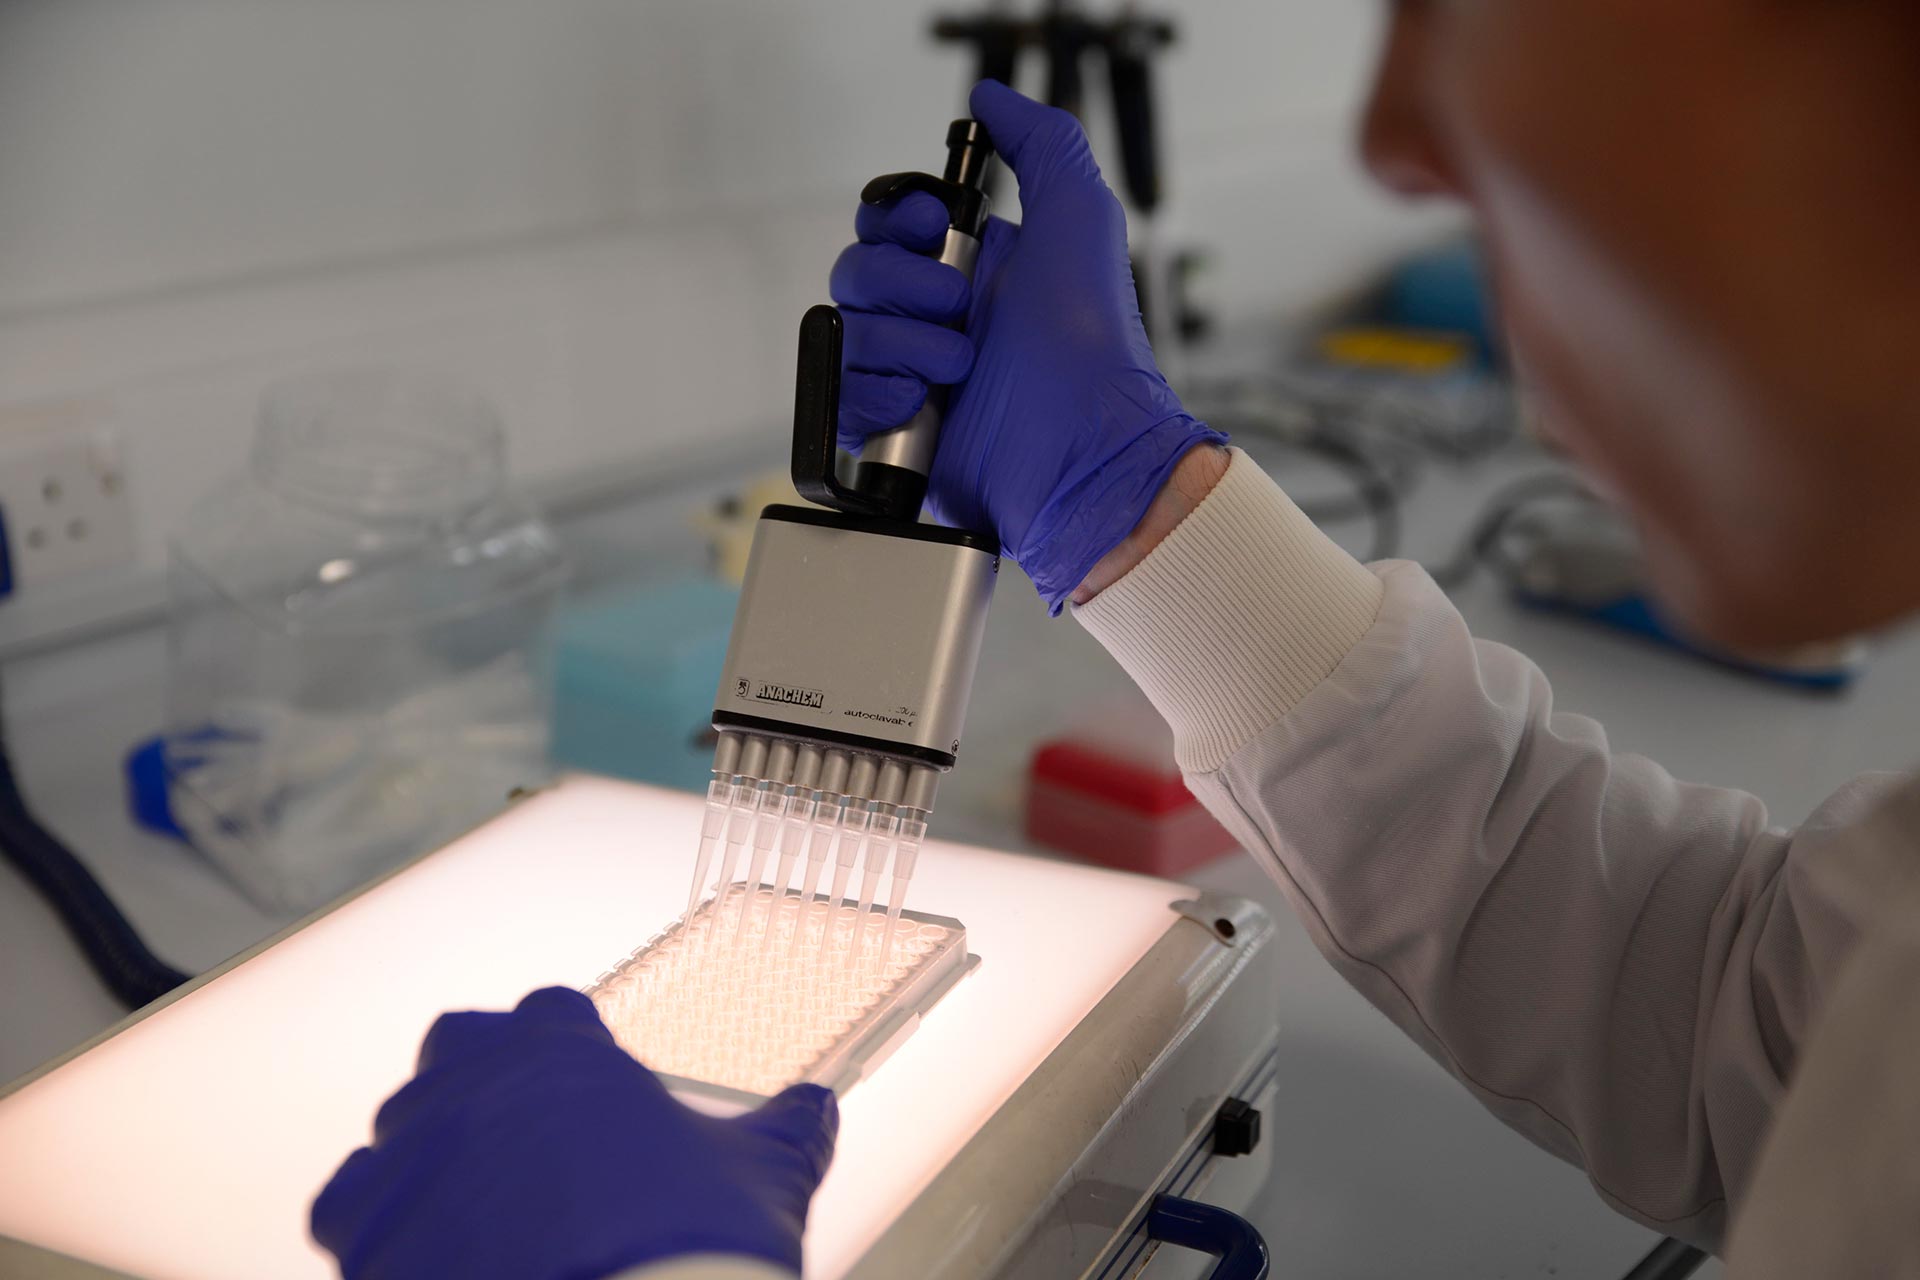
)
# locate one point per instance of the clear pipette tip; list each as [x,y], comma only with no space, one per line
[826,826]
[766,826]
[879,845]
[713,828]
[861,777]
[913,829]
[800,806]
[742,810]
[840,874]
[770,808]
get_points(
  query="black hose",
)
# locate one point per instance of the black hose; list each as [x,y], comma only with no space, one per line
[134,974]
[1374,488]
[1670,1260]
[1483,544]
[1376,483]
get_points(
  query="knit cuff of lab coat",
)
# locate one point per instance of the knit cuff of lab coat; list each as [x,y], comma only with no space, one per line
[1235,616]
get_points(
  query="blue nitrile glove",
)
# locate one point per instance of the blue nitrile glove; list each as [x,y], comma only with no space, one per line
[530,1146]
[1063,429]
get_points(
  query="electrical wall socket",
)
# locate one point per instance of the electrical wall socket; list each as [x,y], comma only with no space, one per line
[63,494]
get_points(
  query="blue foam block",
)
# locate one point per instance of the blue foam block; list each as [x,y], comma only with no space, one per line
[1444,289]
[635,678]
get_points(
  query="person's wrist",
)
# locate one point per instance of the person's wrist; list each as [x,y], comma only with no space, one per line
[720,1263]
[1191,480]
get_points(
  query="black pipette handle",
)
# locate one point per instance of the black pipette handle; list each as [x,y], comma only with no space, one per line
[890,479]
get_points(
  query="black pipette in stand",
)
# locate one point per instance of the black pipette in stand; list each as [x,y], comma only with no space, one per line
[1129,42]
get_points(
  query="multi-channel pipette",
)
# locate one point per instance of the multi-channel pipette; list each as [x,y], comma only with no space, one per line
[857,635]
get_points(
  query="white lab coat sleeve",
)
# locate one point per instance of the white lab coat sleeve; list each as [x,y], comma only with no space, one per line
[707,1267]
[1621,966]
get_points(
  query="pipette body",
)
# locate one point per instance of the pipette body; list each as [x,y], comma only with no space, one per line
[854,646]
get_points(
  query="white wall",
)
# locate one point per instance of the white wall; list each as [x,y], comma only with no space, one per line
[152,142]
[609,213]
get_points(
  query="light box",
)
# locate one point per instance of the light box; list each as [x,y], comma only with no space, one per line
[191,1143]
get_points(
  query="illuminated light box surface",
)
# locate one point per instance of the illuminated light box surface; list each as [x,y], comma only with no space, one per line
[190,1145]
[782,996]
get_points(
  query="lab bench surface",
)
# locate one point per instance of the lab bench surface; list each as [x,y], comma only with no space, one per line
[1384,1167]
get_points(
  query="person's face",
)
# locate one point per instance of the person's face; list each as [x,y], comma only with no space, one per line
[1701,219]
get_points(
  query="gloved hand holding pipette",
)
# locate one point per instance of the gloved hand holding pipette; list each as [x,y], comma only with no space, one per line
[1064,430]
[530,1146]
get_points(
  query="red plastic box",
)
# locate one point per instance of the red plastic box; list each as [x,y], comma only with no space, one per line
[1112,795]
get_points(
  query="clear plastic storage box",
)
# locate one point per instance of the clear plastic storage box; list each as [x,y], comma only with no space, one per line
[359,632]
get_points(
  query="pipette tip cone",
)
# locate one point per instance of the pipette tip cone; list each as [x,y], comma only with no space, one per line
[782,882]
[886,938]
[700,869]
[755,870]
[834,902]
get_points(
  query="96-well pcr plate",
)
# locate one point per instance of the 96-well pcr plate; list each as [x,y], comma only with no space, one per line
[739,1012]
